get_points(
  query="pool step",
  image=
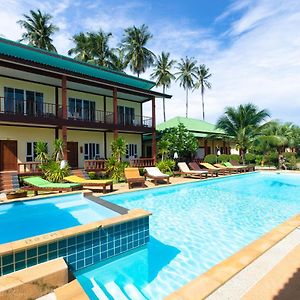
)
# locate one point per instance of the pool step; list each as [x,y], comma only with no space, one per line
[97,290]
[114,290]
[133,293]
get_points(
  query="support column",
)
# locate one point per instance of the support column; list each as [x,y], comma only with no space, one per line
[153,130]
[64,115]
[115,109]
[205,147]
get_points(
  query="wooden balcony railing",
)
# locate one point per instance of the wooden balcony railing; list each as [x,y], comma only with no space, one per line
[142,162]
[29,168]
[95,165]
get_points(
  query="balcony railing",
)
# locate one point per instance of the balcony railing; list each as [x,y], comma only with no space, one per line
[95,165]
[142,162]
[51,110]
[29,168]
[27,108]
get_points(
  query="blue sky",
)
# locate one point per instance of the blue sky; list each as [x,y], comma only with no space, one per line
[252,47]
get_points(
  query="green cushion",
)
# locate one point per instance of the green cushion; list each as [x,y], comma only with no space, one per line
[42,183]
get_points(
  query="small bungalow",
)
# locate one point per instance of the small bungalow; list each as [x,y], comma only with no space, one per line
[210,139]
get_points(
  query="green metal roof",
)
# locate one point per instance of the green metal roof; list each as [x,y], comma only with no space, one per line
[20,51]
[197,127]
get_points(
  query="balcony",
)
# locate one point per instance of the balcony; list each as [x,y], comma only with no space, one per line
[33,112]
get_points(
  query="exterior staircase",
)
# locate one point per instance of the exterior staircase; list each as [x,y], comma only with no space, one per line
[9,181]
[80,173]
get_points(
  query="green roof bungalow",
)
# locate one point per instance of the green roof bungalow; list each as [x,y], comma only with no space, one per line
[210,139]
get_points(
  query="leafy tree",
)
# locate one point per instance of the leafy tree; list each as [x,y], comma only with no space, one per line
[202,82]
[100,50]
[187,75]
[243,124]
[163,148]
[119,61]
[118,148]
[134,43]
[162,74]
[182,141]
[82,47]
[38,30]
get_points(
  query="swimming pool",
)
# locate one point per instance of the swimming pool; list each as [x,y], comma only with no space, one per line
[34,217]
[194,226]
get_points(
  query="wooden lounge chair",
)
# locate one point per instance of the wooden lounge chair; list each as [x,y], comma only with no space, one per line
[37,183]
[132,176]
[208,167]
[239,168]
[156,175]
[247,167]
[226,169]
[185,170]
[90,182]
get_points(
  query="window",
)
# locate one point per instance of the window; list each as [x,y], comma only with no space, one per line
[81,109]
[25,102]
[131,151]
[91,151]
[125,115]
[30,151]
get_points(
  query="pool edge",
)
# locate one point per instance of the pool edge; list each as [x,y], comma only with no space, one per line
[208,282]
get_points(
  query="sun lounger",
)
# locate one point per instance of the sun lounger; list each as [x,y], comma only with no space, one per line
[240,168]
[247,167]
[132,176]
[185,170]
[37,183]
[208,167]
[226,169]
[156,175]
[90,182]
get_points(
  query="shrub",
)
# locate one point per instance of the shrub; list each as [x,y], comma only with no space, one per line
[92,175]
[258,159]
[211,158]
[235,157]
[273,158]
[166,166]
[223,158]
[250,158]
[115,168]
[289,155]
[53,172]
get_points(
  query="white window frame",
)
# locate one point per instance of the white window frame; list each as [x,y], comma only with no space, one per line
[88,146]
[33,154]
[131,151]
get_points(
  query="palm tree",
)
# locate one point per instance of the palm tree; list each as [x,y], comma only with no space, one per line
[187,75]
[162,74]
[82,47]
[134,44]
[100,50]
[38,30]
[118,59]
[202,83]
[243,124]
[163,148]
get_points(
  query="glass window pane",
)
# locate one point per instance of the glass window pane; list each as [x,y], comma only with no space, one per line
[78,109]
[39,106]
[19,101]
[8,99]
[92,110]
[29,103]
[71,108]
[86,110]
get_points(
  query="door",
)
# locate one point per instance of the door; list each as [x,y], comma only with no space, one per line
[72,148]
[8,155]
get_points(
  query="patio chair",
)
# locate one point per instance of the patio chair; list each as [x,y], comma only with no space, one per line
[156,175]
[185,170]
[208,167]
[247,167]
[226,169]
[132,176]
[240,168]
[89,182]
[37,183]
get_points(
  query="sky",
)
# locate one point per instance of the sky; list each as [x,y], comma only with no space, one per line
[252,47]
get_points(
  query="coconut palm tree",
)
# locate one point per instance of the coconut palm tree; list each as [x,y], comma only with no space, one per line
[118,59]
[82,49]
[38,30]
[243,124]
[134,43]
[202,83]
[100,49]
[162,74]
[187,75]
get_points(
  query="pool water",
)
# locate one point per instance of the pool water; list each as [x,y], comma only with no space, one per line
[194,226]
[23,219]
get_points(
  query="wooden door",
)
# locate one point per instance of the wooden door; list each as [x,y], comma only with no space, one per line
[8,155]
[72,148]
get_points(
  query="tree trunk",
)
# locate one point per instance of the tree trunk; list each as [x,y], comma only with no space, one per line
[187,103]
[164,104]
[203,114]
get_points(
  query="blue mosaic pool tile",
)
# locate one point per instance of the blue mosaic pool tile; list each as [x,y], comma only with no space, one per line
[7,259]
[80,239]
[20,256]
[71,241]
[52,247]
[20,265]
[42,258]
[62,244]
[7,269]
[42,249]
[31,262]
[53,255]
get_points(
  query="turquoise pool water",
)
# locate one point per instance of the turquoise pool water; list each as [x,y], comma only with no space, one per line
[194,226]
[22,219]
